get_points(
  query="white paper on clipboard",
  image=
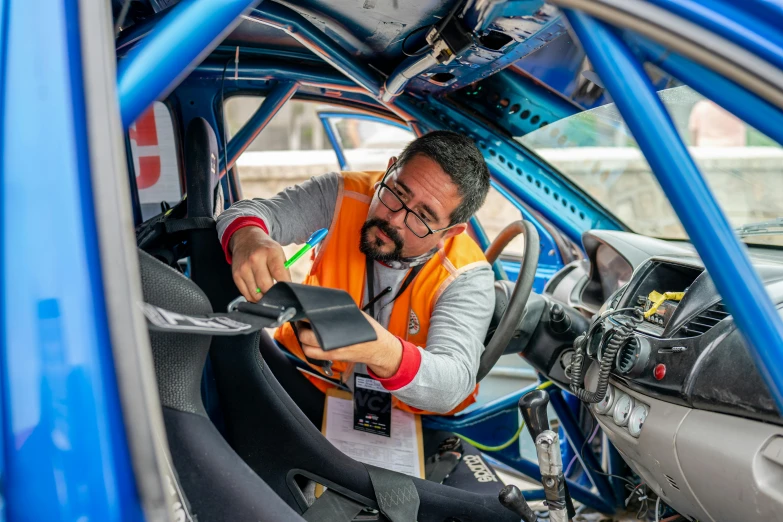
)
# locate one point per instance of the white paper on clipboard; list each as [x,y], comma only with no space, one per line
[402,452]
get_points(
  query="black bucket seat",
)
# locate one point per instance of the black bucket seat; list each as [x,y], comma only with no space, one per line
[218,484]
[269,431]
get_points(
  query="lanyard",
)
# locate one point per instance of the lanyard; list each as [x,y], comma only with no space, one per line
[372,299]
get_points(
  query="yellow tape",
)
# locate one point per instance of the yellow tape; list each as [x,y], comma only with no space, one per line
[658,299]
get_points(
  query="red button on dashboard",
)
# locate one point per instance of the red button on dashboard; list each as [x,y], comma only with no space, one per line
[659,372]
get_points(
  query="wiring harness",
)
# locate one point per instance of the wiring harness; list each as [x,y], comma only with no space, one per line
[623,330]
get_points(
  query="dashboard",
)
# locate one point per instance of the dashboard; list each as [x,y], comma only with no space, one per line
[685,407]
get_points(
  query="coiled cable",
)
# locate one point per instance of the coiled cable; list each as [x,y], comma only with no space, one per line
[622,332]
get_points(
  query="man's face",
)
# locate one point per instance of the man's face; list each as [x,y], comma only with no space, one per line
[429,192]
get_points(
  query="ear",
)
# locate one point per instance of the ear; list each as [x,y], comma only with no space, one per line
[455,231]
[392,161]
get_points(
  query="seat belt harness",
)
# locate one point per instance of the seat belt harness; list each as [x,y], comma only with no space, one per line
[333,315]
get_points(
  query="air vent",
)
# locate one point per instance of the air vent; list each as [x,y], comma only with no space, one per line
[704,321]
[633,356]
[628,356]
[671,482]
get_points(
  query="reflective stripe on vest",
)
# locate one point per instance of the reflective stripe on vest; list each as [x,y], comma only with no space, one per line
[338,263]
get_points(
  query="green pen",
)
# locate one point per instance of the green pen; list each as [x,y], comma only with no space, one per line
[316,238]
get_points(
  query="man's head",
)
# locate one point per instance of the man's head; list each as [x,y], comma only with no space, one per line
[443,179]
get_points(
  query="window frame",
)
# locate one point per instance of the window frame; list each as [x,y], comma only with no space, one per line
[178,151]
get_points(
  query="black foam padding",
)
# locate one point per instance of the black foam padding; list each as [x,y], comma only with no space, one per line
[219,485]
[178,358]
[269,431]
[201,168]
[208,266]
[210,270]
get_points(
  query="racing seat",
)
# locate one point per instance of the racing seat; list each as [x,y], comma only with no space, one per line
[269,431]
[216,481]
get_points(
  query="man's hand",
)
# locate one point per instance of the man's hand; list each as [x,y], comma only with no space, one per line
[383,356]
[257,261]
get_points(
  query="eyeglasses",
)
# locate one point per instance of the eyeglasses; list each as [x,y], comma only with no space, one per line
[392,201]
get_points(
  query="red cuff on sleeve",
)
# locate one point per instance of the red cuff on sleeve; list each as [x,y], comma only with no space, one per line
[240,222]
[409,367]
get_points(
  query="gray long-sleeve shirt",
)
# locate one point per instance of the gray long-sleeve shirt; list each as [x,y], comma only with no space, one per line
[460,317]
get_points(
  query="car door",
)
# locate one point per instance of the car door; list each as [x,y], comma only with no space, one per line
[81,421]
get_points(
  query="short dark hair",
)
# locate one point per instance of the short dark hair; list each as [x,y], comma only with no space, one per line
[459,157]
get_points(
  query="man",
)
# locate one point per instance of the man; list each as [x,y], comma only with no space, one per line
[403,231]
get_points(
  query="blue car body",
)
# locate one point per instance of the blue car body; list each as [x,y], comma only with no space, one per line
[70,329]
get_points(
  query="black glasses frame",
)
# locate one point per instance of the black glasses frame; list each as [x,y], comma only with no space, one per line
[403,206]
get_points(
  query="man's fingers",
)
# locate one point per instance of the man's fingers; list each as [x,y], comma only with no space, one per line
[307,336]
[314,352]
[277,268]
[241,286]
[262,277]
[250,282]
[244,281]
[258,262]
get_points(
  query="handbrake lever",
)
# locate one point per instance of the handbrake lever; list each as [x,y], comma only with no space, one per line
[533,406]
[513,500]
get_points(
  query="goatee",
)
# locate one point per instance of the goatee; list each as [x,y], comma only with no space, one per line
[372,247]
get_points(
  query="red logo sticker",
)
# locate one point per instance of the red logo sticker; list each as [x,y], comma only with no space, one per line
[144,143]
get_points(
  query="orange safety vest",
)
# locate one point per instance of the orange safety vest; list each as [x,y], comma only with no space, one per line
[340,264]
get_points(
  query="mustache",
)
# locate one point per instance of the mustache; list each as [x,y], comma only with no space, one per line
[387,229]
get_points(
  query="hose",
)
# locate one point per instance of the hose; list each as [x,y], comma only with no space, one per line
[503,446]
[622,332]
[509,442]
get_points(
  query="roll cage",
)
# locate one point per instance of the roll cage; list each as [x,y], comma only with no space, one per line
[87,388]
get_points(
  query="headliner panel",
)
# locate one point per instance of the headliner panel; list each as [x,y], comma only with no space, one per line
[380,24]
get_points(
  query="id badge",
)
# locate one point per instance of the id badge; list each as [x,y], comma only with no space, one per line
[372,405]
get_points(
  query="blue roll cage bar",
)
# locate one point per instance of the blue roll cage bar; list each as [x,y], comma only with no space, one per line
[169,52]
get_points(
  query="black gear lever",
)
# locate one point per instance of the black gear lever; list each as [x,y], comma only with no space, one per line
[533,407]
[513,500]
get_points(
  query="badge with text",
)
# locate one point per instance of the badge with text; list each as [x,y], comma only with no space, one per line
[372,405]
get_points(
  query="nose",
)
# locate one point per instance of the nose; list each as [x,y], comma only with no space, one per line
[397,219]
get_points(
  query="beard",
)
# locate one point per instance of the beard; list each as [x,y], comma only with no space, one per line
[372,247]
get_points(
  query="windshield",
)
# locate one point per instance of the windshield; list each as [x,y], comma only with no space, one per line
[595,150]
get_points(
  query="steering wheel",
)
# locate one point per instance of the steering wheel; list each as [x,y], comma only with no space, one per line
[516,303]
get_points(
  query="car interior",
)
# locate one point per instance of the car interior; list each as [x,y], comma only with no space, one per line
[681,400]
